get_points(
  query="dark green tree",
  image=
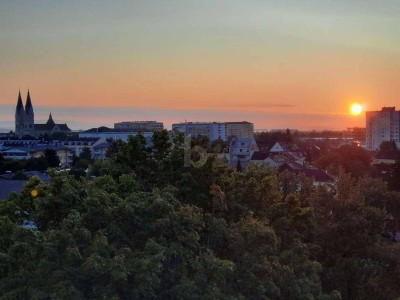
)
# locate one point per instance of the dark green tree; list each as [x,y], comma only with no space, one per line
[86,154]
[161,144]
[388,146]
[52,158]
[155,228]
[394,180]
[239,166]
[354,160]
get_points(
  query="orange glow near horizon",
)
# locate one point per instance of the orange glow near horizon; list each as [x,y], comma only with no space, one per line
[267,62]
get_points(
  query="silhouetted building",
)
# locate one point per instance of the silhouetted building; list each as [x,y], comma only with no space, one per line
[357,134]
[25,121]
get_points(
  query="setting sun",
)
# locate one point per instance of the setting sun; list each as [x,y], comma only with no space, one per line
[356,109]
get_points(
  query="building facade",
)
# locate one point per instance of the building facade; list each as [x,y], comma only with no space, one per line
[216,130]
[382,126]
[111,134]
[212,130]
[25,121]
[242,129]
[139,126]
[28,151]
[240,152]
[357,134]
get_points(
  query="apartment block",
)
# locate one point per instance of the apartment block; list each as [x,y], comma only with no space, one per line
[139,126]
[216,130]
[242,129]
[382,126]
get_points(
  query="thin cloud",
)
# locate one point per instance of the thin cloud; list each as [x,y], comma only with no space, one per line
[256,105]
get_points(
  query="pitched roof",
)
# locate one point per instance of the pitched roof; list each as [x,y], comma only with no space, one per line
[243,142]
[259,155]
[45,147]
[391,154]
[291,166]
[265,145]
[102,145]
[43,127]
[317,174]
[15,149]
[239,122]
[49,127]
[100,129]
[63,127]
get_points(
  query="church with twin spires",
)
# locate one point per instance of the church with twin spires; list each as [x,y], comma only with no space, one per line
[25,121]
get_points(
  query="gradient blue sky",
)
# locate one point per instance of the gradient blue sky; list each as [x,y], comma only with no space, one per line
[297,64]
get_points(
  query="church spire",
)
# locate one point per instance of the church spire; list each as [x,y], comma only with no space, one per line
[28,105]
[50,120]
[20,106]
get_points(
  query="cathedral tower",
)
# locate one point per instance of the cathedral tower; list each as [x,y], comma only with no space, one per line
[25,121]
[29,117]
[19,117]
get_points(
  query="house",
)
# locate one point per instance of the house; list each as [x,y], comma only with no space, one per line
[15,153]
[241,150]
[113,134]
[319,176]
[97,146]
[27,151]
[386,157]
[277,148]
[262,158]
[100,150]
[277,153]
[62,153]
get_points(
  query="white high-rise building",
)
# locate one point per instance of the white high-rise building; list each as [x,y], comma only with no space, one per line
[241,129]
[382,126]
[212,130]
[216,130]
[139,126]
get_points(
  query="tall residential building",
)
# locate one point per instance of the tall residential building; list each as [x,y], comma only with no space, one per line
[216,130]
[242,129]
[112,134]
[212,130]
[139,126]
[382,126]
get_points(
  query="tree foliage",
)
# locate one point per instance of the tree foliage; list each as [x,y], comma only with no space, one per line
[147,226]
[352,159]
[52,158]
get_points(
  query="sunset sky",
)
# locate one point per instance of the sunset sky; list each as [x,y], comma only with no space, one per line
[297,64]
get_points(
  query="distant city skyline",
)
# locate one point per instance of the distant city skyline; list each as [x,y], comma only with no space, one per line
[297,64]
[82,118]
